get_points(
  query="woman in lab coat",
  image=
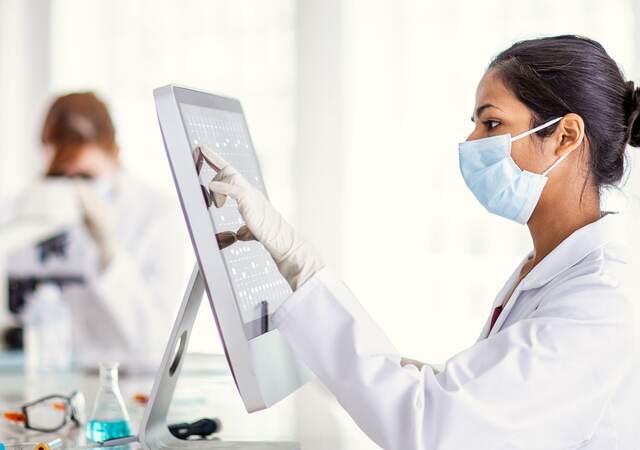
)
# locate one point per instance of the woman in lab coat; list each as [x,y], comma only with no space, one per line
[553,366]
[126,246]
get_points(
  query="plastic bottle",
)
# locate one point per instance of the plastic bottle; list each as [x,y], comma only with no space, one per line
[47,330]
[109,419]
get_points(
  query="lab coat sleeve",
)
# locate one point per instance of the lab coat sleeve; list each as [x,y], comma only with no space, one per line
[541,383]
[139,288]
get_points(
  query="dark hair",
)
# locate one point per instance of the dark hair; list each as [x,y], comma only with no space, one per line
[73,121]
[554,76]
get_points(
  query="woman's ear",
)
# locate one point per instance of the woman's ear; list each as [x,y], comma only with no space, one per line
[569,134]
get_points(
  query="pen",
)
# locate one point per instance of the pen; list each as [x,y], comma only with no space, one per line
[118,441]
[103,444]
[55,443]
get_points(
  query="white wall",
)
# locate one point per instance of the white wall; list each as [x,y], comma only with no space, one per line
[320,151]
[24,78]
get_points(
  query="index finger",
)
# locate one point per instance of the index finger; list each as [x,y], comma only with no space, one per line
[215,161]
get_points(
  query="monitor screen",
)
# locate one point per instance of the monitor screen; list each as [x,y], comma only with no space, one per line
[258,286]
[242,282]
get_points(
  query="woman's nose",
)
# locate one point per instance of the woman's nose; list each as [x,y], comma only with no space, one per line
[472,136]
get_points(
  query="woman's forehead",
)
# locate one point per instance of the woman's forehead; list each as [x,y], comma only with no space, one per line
[492,90]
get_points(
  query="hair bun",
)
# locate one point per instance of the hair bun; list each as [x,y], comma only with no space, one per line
[633,124]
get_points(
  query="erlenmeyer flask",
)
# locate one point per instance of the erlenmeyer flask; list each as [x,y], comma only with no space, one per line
[109,419]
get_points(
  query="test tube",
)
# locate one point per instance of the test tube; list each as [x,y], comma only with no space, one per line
[51,445]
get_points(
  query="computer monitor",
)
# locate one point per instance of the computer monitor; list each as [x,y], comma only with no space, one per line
[241,279]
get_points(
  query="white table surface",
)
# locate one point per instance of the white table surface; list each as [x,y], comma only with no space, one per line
[205,389]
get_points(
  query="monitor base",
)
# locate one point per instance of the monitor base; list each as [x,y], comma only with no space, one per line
[154,433]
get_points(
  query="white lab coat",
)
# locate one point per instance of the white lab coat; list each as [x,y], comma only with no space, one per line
[556,371]
[123,313]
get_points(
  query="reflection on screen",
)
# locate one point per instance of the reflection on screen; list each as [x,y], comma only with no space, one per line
[258,286]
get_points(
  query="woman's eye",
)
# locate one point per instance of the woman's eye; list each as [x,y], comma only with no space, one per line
[491,124]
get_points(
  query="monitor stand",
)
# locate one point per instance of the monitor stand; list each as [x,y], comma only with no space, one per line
[154,433]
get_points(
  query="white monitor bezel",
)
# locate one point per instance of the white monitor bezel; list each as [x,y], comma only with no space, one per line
[261,382]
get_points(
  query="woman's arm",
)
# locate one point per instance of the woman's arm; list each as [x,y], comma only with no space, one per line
[538,384]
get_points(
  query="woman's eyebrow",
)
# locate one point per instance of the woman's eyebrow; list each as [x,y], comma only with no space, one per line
[481,108]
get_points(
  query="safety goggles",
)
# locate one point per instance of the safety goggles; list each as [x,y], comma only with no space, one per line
[50,413]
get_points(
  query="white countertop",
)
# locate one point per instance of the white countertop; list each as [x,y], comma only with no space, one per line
[205,389]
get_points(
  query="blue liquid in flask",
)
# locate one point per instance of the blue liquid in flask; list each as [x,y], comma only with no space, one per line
[103,430]
[109,419]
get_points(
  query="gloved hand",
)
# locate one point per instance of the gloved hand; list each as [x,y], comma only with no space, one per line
[411,362]
[296,259]
[437,368]
[98,218]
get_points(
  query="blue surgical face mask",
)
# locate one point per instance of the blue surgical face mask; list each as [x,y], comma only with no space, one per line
[497,181]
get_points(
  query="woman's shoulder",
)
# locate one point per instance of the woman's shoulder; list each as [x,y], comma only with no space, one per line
[602,283]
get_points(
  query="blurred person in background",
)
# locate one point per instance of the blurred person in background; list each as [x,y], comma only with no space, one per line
[125,248]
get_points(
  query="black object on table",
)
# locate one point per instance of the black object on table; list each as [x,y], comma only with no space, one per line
[201,428]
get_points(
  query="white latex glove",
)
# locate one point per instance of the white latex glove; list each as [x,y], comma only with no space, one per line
[98,218]
[411,362]
[296,259]
[437,368]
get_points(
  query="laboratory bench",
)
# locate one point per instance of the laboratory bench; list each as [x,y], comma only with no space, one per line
[205,389]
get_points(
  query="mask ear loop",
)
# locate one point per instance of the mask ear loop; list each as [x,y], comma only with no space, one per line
[558,161]
[538,128]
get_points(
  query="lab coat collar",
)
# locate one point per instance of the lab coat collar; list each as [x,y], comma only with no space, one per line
[575,247]
[570,251]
